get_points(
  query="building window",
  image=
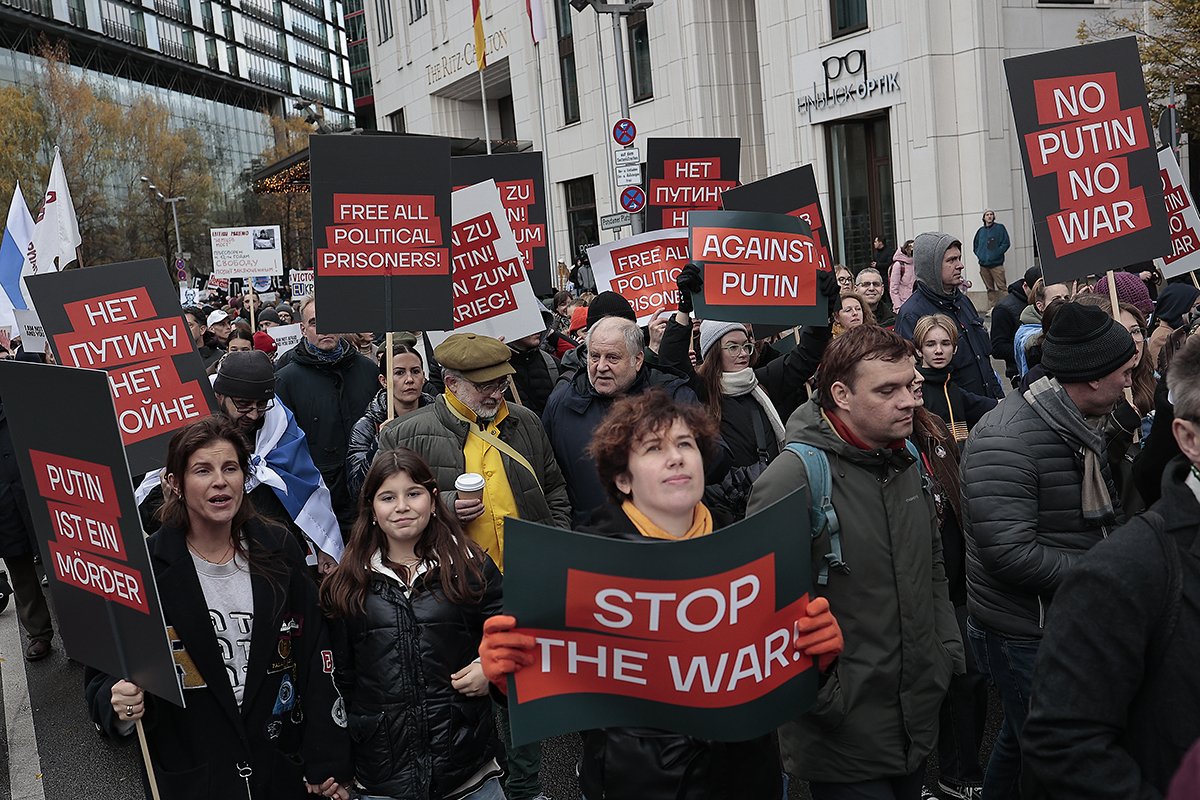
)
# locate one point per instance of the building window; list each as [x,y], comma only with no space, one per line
[396,121]
[566,61]
[639,56]
[848,16]
[581,215]
[860,177]
[417,9]
[383,14]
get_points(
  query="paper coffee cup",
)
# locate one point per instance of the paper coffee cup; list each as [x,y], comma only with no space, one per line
[469,486]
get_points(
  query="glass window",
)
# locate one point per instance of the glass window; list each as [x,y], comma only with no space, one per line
[861,200]
[848,16]
[566,62]
[581,215]
[383,15]
[639,56]
[417,9]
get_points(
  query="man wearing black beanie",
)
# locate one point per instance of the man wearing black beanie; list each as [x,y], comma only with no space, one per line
[1037,495]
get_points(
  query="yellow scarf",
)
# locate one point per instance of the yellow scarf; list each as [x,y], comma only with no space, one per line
[702,523]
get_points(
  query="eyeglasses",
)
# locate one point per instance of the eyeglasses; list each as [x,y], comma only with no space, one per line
[246,406]
[871,283]
[734,349]
[491,387]
[845,280]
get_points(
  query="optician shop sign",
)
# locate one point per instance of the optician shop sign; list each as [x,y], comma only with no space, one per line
[845,83]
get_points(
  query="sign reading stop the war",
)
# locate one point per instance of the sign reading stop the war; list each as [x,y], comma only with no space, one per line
[522,187]
[793,193]
[126,320]
[693,637]
[687,175]
[642,269]
[89,533]
[758,267]
[381,232]
[1184,221]
[1089,158]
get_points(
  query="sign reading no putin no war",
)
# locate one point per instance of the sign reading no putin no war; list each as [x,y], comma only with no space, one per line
[1090,163]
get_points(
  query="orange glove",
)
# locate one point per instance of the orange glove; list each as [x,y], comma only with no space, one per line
[503,650]
[818,635]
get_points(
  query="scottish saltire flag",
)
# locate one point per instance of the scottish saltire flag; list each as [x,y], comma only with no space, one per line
[18,233]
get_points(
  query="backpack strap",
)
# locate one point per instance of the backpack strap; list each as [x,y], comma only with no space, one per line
[822,516]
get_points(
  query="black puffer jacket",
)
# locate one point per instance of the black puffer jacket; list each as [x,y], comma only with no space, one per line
[536,374]
[1024,525]
[649,764]
[413,734]
[364,440]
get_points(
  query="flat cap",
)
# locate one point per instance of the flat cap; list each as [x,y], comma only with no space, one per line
[478,358]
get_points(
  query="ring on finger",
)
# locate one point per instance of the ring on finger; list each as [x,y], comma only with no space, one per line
[129,711]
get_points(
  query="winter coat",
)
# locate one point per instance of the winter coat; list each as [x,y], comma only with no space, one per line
[1116,703]
[327,398]
[941,457]
[413,734]
[990,245]
[16,526]
[650,764]
[959,409]
[572,415]
[364,440]
[1027,340]
[901,278]
[1024,525]
[877,715]
[972,365]
[440,437]
[1005,315]
[536,374]
[291,723]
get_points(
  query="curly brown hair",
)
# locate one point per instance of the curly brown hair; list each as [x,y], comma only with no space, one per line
[630,419]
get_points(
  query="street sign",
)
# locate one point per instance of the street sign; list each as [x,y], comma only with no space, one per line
[630,175]
[627,156]
[633,199]
[624,132]
[610,222]
[181,269]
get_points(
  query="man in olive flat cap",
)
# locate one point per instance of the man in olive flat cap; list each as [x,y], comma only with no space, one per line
[470,428]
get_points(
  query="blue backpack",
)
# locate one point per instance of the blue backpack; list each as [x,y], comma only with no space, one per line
[822,515]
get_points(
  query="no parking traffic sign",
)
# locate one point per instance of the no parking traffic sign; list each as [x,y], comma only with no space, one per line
[624,132]
[633,199]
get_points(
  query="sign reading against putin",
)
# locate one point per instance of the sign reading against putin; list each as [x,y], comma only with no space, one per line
[758,268]
[1090,164]
[126,320]
[89,533]
[381,232]
[693,637]
[686,175]
[793,193]
[642,269]
[1184,221]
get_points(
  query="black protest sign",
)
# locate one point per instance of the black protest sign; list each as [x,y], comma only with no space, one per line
[1090,161]
[519,178]
[793,193]
[126,320]
[758,268]
[693,637]
[89,533]
[686,175]
[381,232]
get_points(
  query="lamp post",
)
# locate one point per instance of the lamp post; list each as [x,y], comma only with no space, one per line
[172,202]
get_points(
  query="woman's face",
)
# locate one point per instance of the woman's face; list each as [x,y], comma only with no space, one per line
[408,378]
[665,477]
[877,243]
[1130,323]
[736,349]
[936,348]
[213,484]
[850,315]
[845,278]
[402,509]
[239,345]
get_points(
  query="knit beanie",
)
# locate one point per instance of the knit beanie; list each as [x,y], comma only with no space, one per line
[609,304]
[265,342]
[1085,344]
[268,315]
[1130,289]
[711,332]
[246,375]
[1032,275]
[579,319]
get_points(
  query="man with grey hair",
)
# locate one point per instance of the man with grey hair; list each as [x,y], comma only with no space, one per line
[1115,702]
[615,367]
[869,283]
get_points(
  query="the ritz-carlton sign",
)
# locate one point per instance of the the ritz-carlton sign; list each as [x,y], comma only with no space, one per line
[847,80]
[453,63]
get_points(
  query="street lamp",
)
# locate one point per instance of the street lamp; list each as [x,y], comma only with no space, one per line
[171,201]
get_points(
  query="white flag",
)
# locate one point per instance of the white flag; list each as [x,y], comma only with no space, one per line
[537,19]
[56,232]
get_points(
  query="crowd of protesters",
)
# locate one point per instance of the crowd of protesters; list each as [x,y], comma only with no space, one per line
[330,554]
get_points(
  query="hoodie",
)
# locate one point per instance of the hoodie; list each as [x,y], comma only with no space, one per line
[901,278]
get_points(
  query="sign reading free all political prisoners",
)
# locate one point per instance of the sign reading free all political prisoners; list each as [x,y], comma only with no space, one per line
[642,269]
[693,637]
[89,532]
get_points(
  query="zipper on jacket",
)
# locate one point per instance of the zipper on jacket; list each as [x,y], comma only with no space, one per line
[1041,614]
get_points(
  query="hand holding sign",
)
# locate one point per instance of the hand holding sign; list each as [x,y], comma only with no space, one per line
[503,651]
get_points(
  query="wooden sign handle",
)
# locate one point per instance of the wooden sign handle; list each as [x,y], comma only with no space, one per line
[141,732]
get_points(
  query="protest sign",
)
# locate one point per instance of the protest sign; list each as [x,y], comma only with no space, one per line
[793,193]
[1090,165]
[189,296]
[286,337]
[215,284]
[29,328]
[693,636]
[246,252]
[492,292]
[381,232]
[642,269]
[301,283]
[126,319]
[89,533]
[1184,221]
[758,268]
[522,189]
[687,174]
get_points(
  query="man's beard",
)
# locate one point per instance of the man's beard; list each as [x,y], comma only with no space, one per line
[249,427]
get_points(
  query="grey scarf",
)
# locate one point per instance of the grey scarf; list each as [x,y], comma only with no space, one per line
[1047,397]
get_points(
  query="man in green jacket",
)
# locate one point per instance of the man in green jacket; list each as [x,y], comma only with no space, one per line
[876,715]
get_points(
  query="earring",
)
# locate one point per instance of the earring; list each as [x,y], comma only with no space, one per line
[373,523]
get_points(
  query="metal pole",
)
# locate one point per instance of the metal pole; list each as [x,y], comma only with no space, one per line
[487,132]
[537,57]
[178,241]
[623,93]
[1174,127]
[612,178]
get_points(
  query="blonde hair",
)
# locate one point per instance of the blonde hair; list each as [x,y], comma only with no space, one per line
[927,323]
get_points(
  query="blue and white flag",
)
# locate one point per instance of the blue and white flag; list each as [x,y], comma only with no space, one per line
[18,234]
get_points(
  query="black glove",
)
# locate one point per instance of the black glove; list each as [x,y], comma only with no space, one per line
[689,281]
[828,285]
[1127,416]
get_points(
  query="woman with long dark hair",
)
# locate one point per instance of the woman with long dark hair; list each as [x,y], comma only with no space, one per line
[262,720]
[408,601]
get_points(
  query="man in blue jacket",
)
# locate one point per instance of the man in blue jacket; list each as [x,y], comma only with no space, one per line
[990,245]
[937,261]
